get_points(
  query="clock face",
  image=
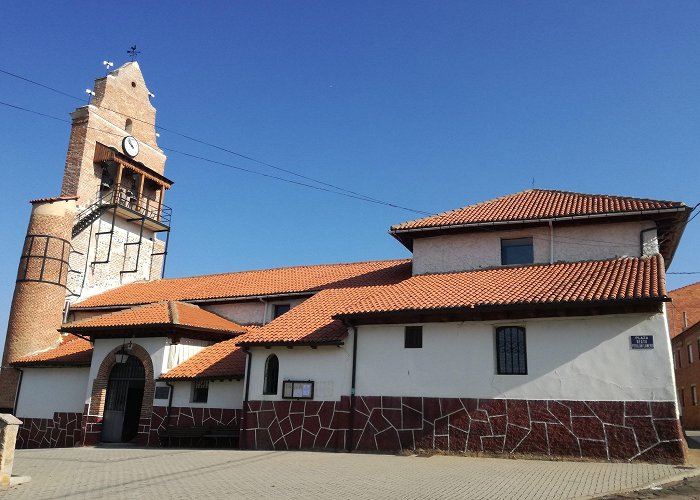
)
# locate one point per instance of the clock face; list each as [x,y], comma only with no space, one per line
[130,145]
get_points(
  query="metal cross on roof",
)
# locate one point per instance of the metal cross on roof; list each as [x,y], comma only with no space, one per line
[133,52]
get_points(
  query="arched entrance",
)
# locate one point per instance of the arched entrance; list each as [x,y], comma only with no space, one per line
[123,401]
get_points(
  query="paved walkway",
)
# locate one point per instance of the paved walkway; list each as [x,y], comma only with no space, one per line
[182,473]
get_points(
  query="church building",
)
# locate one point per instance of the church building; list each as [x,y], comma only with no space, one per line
[534,323]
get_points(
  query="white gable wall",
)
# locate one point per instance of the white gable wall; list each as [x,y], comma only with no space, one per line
[469,251]
[48,390]
[586,358]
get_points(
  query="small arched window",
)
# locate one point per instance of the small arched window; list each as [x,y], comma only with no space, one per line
[272,369]
[128,125]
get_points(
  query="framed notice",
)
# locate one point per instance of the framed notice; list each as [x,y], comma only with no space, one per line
[297,389]
[642,341]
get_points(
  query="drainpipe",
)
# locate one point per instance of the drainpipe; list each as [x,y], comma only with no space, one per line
[352,391]
[170,403]
[551,242]
[19,386]
[243,440]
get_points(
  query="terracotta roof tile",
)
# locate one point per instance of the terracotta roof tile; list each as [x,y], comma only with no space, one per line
[55,198]
[254,283]
[611,280]
[158,314]
[537,204]
[72,351]
[311,322]
[222,360]
[683,300]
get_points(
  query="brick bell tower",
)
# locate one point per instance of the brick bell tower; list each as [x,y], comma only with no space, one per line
[102,231]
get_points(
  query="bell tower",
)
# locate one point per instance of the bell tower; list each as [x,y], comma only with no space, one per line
[103,230]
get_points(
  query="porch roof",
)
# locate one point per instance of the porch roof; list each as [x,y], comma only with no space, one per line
[222,360]
[165,318]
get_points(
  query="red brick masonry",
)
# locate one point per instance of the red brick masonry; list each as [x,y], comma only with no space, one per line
[608,430]
[61,431]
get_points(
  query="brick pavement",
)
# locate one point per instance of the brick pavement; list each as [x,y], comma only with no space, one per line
[136,473]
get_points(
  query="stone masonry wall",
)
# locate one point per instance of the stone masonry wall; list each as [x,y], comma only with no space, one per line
[602,430]
[61,431]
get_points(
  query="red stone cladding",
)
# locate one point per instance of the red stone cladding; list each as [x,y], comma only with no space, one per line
[186,416]
[61,431]
[683,300]
[299,279]
[295,425]
[539,204]
[603,430]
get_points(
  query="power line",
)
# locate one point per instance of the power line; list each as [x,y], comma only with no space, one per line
[243,169]
[216,146]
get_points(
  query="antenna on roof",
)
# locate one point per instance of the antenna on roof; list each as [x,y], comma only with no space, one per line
[107,65]
[533,183]
[90,94]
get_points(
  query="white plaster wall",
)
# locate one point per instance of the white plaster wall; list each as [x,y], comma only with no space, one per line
[463,252]
[48,390]
[176,354]
[243,313]
[587,358]
[247,313]
[329,367]
[155,347]
[222,394]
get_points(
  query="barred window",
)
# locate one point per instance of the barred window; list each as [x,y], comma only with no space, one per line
[200,391]
[511,353]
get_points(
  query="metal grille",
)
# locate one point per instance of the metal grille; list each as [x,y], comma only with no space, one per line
[511,350]
[123,376]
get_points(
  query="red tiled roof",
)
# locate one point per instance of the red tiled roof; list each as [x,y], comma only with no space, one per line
[311,322]
[538,204]
[55,198]
[170,313]
[72,351]
[683,300]
[222,360]
[254,283]
[575,282]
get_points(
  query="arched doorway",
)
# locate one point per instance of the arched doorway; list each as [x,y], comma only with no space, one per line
[123,401]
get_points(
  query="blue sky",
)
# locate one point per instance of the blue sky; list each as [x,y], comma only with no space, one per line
[428,105]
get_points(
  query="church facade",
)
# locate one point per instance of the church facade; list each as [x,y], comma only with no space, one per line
[534,323]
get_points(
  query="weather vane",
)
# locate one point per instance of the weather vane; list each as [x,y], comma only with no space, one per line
[133,52]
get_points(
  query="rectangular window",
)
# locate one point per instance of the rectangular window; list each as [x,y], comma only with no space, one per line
[162,392]
[413,337]
[698,347]
[200,391]
[682,397]
[280,309]
[511,354]
[690,354]
[297,389]
[694,394]
[517,251]
[677,358]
